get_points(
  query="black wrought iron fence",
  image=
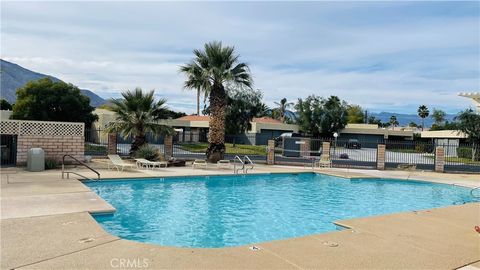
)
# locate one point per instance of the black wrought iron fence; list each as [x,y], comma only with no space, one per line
[8,150]
[410,154]
[96,142]
[461,157]
[343,152]
[194,146]
[353,153]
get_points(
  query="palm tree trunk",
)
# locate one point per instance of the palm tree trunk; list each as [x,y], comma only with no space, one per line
[138,141]
[423,123]
[198,101]
[216,134]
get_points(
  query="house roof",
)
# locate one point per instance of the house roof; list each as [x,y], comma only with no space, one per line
[266,120]
[194,118]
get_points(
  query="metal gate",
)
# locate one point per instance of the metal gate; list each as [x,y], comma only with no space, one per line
[8,151]
[410,153]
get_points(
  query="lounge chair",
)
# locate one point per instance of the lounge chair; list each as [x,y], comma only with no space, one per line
[224,163]
[324,162]
[141,162]
[199,162]
[117,163]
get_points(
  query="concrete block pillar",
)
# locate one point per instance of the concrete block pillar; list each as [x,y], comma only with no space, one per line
[305,148]
[439,159]
[112,143]
[326,150]
[381,157]
[271,152]
[168,146]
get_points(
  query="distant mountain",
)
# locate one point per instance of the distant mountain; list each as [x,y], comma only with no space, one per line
[405,119]
[13,76]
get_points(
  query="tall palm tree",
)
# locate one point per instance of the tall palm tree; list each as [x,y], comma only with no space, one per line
[137,114]
[423,112]
[393,121]
[211,70]
[283,107]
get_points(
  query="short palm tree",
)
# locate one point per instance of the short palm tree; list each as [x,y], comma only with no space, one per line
[283,107]
[137,114]
[423,112]
[212,70]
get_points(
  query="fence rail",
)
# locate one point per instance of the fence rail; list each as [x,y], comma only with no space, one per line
[345,153]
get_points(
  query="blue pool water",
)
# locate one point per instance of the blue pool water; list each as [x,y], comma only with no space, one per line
[219,211]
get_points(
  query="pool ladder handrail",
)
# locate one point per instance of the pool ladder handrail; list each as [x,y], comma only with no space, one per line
[79,163]
[235,170]
[246,158]
[472,190]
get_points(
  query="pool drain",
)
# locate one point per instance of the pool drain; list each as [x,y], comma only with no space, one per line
[86,240]
[330,244]
[254,248]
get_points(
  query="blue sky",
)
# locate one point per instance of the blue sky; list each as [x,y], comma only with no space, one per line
[384,56]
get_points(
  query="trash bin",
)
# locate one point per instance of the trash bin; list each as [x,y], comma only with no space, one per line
[35,160]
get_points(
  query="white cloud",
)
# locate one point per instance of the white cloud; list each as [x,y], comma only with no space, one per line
[383,56]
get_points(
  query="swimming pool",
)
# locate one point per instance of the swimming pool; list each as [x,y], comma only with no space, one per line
[219,211]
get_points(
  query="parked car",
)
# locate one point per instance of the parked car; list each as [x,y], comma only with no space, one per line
[353,144]
[280,138]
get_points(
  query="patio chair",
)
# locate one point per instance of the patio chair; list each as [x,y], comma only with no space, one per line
[224,163]
[324,162]
[199,162]
[141,162]
[117,163]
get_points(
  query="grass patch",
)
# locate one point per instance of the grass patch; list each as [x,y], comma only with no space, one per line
[461,160]
[241,149]
[94,148]
[458,160]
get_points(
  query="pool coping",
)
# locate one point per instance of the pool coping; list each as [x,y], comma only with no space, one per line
[264,245]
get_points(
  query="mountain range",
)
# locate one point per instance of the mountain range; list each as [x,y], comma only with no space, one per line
[13,76]
[404,119]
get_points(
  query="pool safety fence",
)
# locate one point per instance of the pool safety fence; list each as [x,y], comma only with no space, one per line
[303,151]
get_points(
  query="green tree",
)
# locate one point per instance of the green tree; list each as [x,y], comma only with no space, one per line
[211,70]
[355,114]
[46,100]
[412,124]
[469,123]
[393,121]
[438,116]
[423,112]
[282,108]
[372,120]
[318,116]
[5,105]
[137,114]
[242,106]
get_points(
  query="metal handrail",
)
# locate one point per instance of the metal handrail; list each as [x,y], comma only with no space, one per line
[80,163]
[245,170]
[235,164]
[471,192]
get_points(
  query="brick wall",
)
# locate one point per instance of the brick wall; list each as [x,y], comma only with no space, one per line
[54,146]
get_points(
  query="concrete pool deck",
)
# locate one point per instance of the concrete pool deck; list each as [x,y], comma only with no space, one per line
[45,225]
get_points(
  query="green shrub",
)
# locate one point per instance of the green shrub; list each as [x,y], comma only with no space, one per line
[464,152]
[148,152]
[50,163]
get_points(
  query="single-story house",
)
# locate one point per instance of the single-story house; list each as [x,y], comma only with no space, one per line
[195,128]
[372,133]
[449,139]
